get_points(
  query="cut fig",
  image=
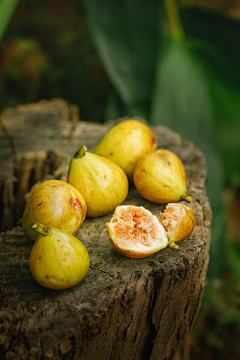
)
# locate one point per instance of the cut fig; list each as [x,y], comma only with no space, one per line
[178,221]
[135,232]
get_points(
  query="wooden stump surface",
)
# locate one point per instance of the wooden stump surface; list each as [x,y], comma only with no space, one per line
[125,308]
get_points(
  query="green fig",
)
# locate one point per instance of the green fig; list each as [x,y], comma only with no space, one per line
[126,143]
[58,260]
[160,177]
[178,220]
[103,184]
[54,203]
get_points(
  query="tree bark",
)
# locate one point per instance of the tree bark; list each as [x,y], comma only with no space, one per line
[124,308]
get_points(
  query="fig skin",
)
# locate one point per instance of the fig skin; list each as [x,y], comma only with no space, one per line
[160,177]
[126,143]
[179,221]
[58,260]
[54,203]
[103,184]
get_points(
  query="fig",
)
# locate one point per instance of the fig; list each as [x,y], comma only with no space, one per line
[135,232]
[160,177]
[58,260]
[126,143]
[103,184]
[178,221]
[54,203]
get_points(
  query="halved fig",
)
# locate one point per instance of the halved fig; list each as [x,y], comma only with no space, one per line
[135,232]
[178,221]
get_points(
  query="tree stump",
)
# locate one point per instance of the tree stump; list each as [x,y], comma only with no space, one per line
[124,308]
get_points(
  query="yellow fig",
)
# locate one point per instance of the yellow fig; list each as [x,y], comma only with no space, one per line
[178,221]
[126,143]
[160,177]
[103,184]
[58,260]
[135,232]
[54,203]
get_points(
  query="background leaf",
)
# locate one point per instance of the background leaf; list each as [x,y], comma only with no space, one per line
[182,101]
[7,8]
[126,38]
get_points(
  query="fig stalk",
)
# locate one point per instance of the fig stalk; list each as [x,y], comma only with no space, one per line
[81,152]
[186,198]
[172,245]
[41,229]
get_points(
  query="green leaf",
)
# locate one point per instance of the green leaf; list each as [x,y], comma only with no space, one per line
[181,101]
[126,38]
[7,8]
[224,88]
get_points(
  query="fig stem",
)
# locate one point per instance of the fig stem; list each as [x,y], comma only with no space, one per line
[81,152]
[173,246]
[41,229]
[186,198]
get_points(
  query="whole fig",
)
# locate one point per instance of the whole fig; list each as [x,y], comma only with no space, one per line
[58,260]
[126,143]
[103,184]
[54,203]
[160,177]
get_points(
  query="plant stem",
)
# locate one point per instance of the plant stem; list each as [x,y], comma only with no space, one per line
[174,20]
[81,152]
[186,198]
[41,229]
[173,246]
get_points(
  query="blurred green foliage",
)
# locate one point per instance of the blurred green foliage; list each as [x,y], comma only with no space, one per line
[47,51]
[218,326]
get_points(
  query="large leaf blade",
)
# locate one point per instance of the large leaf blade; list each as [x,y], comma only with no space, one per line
[182,102]
[224,88]
[125,35]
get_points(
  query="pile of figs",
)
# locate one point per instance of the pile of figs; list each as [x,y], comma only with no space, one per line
[98,184]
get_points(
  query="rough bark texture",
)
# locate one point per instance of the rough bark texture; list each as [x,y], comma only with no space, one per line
[124,309]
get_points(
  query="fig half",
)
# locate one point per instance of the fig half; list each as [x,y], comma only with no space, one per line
[179,222]
[135,232]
